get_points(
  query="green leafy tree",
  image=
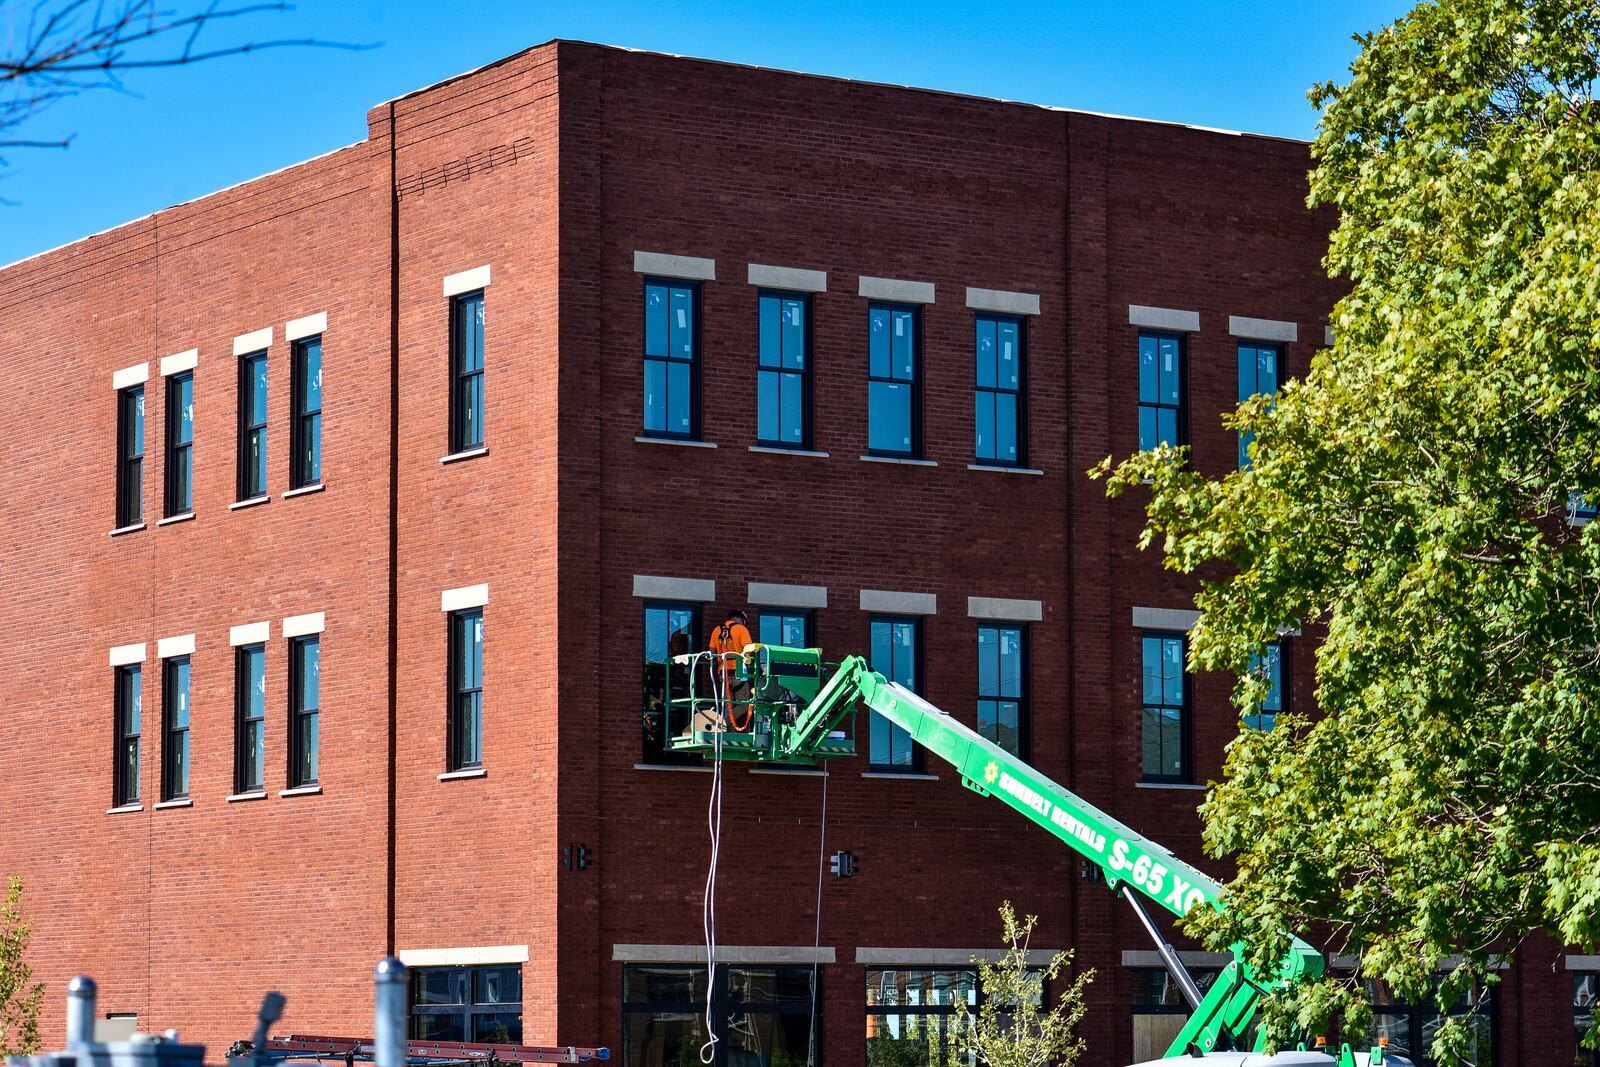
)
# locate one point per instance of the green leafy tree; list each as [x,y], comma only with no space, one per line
[1014,1026]
[1410,504]
[19,1001]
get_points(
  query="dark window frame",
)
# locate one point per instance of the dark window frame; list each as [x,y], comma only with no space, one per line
[807,428]
[468,1010]
[243,719]
[808,623]
[694,362]
[130,456]
[305,424]
[1277,350]
[916,449]
[1024,719]
[977,998]
[171,733]
[459,378]
[174,418]
[249,429]
[724,1005]
[661,756]
[1181,420]
[1185,711]
[918,763]
[125,787]
[1020,393]
[298,714]
[455,727]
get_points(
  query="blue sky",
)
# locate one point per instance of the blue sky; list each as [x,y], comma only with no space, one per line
[187,132]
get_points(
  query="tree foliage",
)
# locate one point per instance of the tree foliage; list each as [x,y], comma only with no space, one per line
[1014,1026]
[19,1000]
[1410,505]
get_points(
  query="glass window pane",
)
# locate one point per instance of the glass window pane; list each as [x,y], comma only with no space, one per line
[770,331]
[185,410]
[1247,372]
[794,334]
[655,395]
[441,1027]
[1149,375]
[497,985]
[988,661]
[1170,370]
[680,323]
[1267,370]
[1148,437]
[309,758]
[901,351]
[258,390]
[984,424]
[678,398]
[309,673]
[888,417]
[1152,669]
[662,1039]
[1005,427]
[179,674]
[655,320]
[986,353]
[1172,670]
[136,445]
[313,450]
[1009,358]
[1009,640]
[256,683]
[654,983]
[878,343]
[311,375]
[768,397]
[497,1028]
[1167,426]
[792,417]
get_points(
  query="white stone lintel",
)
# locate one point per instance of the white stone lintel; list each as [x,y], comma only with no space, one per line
[468,596]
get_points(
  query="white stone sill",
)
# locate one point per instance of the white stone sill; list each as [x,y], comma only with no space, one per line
[470,772]
[252,502]
[678,441]
[997,469]
[305,490]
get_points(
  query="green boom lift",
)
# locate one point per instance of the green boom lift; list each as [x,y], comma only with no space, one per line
[796,713]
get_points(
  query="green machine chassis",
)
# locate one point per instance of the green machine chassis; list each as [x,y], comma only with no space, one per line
[795,714]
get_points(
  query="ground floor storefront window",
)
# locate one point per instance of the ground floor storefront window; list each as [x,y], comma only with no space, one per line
[1410,1028]
[481,1004]
[762,1014]
[912,1019]
[1159,1010]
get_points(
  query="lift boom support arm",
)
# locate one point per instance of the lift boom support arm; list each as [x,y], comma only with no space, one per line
[1124,858]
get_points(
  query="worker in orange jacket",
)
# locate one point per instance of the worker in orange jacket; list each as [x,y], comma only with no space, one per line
[728,640]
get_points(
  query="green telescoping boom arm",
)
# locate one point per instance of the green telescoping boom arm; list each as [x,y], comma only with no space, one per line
[1127,860]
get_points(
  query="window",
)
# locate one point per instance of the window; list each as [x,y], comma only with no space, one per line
[669,630]
[305,431]
[175,728]
[767,1013]
[465,715]
[896,648]
[129,711]
[482,1004]
[1269,665]
[305,683]
[894,396]
[776,626]
[1165,720]
[180,444]
[1410,1028]
[1259,367]
[1002,681]
[252,426]
[130,456]
[1159,1010]
[1001,402]
[912,1018]
[1585,987]
[1162,388]
[466,371]
[250,728]
[783,384]
[671,359]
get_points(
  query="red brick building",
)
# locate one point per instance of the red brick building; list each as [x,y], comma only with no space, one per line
[384,626]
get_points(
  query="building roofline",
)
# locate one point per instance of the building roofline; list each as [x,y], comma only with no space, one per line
[840,78]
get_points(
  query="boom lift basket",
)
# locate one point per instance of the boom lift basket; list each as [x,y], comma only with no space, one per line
[702,715]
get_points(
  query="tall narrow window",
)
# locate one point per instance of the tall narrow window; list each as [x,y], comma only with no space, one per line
[253,426]
[250,728]
[1259,366]
[894,397]
[180,444]
[305,432]
[129,712]
[1164,722]
[465,714]
[896,648]
[466,371]
[305,671]
[1585,994]
[1269,665]
[671,359]
[669,630]
[783,384]
[130,456]
[1001,407]
[175,728]
[1002,680]
[1162,387]
[791,628]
